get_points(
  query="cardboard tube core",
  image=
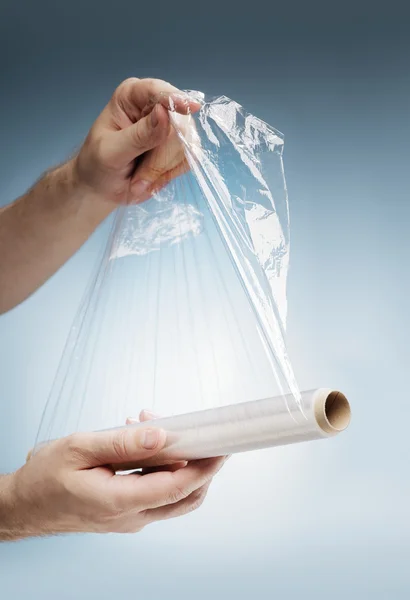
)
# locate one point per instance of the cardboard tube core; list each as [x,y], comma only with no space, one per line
[337,411]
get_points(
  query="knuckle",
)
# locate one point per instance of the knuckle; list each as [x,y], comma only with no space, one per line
[129,81]
[121,95]
[120,445]
[198,498]
[74,446]
[125,85]
[156,85]
[152,83]
[177,494]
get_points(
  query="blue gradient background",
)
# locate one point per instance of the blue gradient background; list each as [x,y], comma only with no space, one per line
[318,520]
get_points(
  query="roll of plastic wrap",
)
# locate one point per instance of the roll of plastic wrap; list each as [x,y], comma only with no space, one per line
[250,426]
[186,313]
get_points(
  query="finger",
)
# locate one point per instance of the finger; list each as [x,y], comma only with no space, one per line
[164,163]
[183,507]
[146,134]
[166,487]
[174,101]
[142,94]
[168,160]
[134,98]
[114,447]
[145,415]
[156,181]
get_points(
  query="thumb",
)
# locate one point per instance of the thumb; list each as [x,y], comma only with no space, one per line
[126,445]
[144,135]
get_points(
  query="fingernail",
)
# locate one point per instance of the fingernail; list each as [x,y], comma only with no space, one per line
[147,414]
[150,438]
[154,117]
[141,187]
[131,420]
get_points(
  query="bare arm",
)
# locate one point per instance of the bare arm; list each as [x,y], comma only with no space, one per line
[41,230]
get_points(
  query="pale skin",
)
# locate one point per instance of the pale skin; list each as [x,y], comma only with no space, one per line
[70,485]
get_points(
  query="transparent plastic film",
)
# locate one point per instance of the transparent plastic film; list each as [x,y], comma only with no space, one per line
[187,312]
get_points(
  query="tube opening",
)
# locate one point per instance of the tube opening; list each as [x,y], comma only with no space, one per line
[337,411]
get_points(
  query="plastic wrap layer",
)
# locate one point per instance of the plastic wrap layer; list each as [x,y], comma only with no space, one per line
[250,426]
[188,307]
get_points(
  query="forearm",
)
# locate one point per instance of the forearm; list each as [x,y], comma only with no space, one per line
[11,527]
[41,230]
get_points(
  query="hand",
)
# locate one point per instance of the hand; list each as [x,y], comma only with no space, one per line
[131,151]
[68,487]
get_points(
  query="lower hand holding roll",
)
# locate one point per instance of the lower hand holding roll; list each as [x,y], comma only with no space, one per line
[70,485]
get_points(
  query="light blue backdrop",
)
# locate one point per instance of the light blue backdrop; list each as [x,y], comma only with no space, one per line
[328,519]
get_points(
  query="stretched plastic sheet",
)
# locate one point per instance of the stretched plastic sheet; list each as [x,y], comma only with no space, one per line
[187,310]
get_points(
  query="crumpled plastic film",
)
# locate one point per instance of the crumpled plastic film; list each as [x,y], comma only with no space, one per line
[188,308]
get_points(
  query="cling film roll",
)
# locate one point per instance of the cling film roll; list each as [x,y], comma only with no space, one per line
[186,314]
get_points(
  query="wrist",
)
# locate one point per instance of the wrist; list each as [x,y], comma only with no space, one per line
[11,513]
[89,205]
[20,516]
[90,194]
